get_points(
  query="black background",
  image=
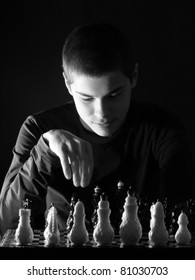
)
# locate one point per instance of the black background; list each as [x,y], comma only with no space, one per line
[32,35]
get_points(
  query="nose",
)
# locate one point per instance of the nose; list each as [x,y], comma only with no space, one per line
[101,109]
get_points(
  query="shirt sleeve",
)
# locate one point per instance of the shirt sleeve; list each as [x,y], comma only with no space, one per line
[29,175]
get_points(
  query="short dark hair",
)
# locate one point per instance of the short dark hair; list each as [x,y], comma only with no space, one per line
[96,49]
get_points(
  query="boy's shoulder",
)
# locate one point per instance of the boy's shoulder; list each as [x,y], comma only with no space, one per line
[154,114]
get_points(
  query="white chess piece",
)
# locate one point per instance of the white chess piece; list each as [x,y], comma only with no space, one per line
[158,235]
[130,228]
[183,235]
[78,235]
[52,233]
[24,233]
[103,233]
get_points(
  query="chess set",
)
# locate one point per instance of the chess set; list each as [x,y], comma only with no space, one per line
[138,226]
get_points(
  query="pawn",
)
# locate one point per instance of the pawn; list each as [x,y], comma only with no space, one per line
[96,199]
[78,235]
[183,235]
[130,228]
[24,233]
[70,219]
[52,233]
[158,235]
[103,233]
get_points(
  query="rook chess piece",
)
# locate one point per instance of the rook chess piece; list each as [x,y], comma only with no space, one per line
[24,233]
[183,235]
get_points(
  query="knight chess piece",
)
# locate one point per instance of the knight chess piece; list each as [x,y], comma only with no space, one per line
[51,232]
[24,233]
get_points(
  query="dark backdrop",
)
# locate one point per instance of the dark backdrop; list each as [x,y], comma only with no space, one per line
[32,35]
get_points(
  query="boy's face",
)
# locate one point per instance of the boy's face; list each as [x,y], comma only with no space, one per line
[102,102]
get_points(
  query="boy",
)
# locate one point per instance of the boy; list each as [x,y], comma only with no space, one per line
[100,137]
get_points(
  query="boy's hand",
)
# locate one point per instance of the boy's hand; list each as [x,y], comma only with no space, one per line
[75,155]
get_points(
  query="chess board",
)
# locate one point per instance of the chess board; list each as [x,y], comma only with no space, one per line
[8,240]
[38,250]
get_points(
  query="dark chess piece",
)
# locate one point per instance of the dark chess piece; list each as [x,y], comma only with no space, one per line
[96,198]
[70,220]
[121,194]
[168,213]
[191,214]
[144,213]
[175,211]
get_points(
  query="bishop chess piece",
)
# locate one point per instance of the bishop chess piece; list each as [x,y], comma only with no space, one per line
[158,234]
[24,233]
[103,233]
[96,198]
[183,235]
[130,229]
[78,234]
[51,232]
[70,220]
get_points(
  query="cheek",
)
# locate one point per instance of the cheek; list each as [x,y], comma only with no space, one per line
[84,110]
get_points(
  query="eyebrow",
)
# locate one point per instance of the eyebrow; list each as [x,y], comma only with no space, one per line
[111,92]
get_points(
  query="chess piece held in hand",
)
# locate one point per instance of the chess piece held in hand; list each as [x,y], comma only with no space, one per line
[183,235]
[103,233]
[158,235]
[78,235]
[130,229]
[52,233]
[24,233]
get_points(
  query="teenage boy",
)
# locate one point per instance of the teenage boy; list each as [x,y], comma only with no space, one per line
[98,138]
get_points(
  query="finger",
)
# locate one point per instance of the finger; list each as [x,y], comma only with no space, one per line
[65,166]
[87,165]
[83,161]
[90,162]
[75,171]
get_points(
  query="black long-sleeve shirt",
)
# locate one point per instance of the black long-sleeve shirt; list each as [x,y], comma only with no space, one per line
[150,153]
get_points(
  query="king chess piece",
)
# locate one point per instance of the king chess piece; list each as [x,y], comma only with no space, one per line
[158,234]
[51,232]
[24,233]
[130,229]
[183,235]
[78,234]
[103,233]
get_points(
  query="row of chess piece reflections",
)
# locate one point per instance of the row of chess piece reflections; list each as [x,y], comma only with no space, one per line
[171,211]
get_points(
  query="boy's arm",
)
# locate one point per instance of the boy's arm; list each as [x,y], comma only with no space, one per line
[29,175]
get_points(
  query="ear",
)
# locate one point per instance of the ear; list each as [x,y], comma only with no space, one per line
[134,76]
[67,83]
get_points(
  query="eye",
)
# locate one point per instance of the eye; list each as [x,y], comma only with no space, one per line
[87,99]
[115,94]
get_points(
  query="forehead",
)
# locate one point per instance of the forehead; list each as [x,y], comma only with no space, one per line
[98,85]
